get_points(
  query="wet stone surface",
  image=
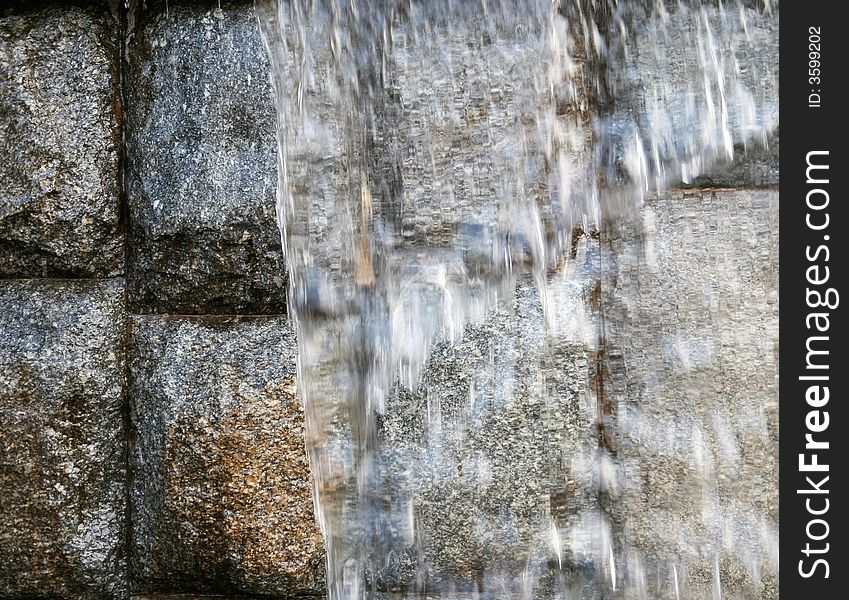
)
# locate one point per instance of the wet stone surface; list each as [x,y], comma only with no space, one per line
[480,446]
[692,314]
[734,100]
[62,444]
[220,481]
[755,166]
[202,172]
[60,120]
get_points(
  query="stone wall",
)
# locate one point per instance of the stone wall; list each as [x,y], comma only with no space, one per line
[151,440]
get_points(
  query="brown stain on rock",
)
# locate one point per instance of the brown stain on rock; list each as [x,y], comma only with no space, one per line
[241,494]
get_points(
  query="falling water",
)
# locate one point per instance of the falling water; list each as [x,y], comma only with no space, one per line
[448,172]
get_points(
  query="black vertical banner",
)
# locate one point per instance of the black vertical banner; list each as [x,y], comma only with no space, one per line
[814,427]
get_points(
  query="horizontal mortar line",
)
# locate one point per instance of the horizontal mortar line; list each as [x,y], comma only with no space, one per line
[109,278]
[709,188]
[217,596]
[205,315]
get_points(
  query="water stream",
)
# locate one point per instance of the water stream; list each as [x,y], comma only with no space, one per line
[450,172]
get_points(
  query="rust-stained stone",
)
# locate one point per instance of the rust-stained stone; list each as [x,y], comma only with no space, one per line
[62,440]
[221,492]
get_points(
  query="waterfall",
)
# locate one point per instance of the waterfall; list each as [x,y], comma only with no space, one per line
[449,175]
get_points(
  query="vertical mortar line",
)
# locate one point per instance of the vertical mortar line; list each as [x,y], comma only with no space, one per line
[605,406]
[121,15]
[596,88]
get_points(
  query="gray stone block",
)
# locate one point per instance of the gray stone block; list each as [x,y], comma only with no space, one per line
[60,139]
[202,173]
[482,449]
[221,494]
[692,336]
[62,444]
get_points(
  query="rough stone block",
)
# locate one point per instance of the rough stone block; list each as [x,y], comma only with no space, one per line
[62,444]
[482,448]
[692,312]
[202,173]
[60,139]
[220,481]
